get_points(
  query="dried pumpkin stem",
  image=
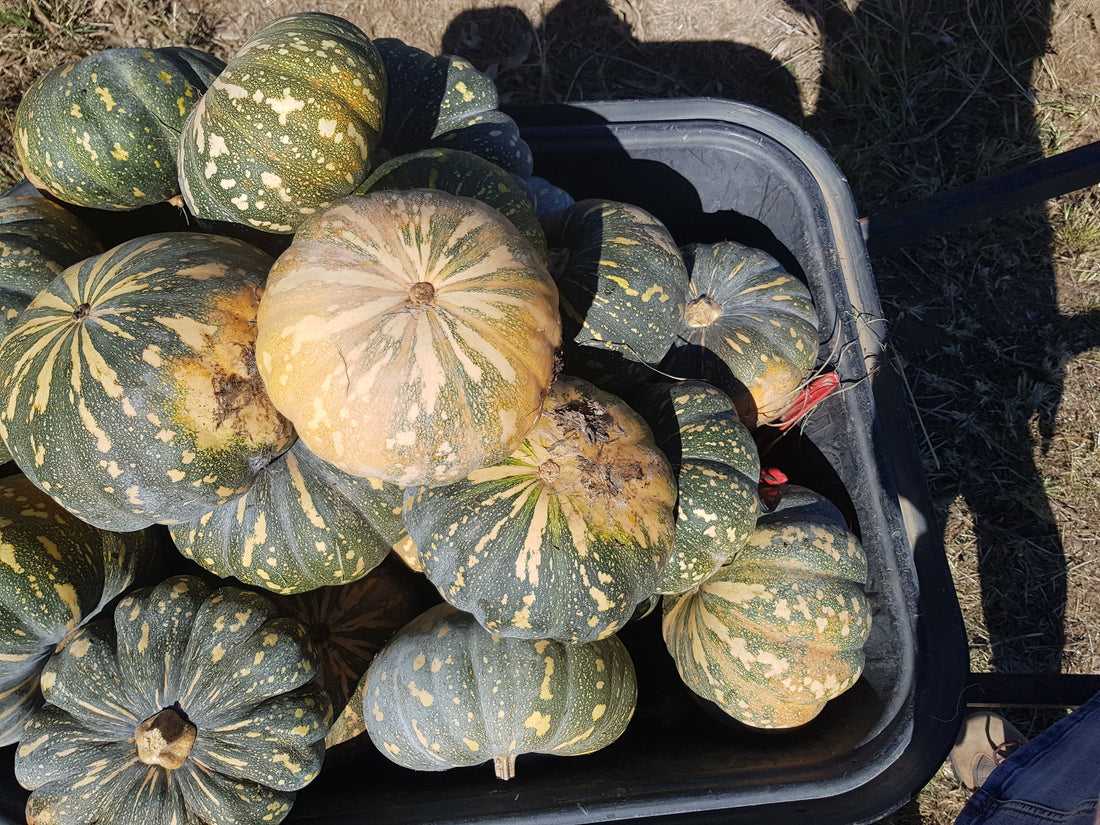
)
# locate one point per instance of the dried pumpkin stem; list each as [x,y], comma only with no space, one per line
[505,765]
[165,739]
[420,293]
[549,471]
[702,312]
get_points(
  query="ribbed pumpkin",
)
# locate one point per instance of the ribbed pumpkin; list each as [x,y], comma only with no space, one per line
[349,624]
[103,132]
[302,524]
[622,282]
[779,629]
[56,574]
[130,384]
[564,538]
[191,706]
[409,335]
[444,102]
[466,174]
[38,238]
[749,327]
[717,473]
[287,127]
[445,693]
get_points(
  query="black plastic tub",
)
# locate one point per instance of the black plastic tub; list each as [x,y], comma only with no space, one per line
[714,170]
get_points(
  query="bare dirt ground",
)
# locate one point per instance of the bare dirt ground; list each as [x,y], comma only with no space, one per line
[997,324]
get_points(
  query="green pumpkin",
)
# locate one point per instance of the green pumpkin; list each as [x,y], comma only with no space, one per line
[565,537]
[749,327]
[287,127]
[131,389]
[56,574]
[622,282]
[444,102]
[779,629]
[38,238]
[302,524]
[446,693]
[466,174]
[191,706]
[717,473]
[103,132]
[410,335]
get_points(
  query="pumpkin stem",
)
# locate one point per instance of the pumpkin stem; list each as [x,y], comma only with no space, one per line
[549,470]
[505,765]
[420,293]
[82,312]
[702,312]
[166,738]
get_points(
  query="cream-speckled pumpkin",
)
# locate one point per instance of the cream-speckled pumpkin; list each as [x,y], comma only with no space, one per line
[446,693]
[287,127]
[565,537]
[779,629]
[130,387]
[409,335]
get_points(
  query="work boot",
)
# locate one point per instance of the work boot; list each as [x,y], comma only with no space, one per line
[985,741]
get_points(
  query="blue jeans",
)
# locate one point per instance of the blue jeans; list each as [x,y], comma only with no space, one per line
[1054,778]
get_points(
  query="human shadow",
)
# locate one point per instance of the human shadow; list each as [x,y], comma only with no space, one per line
[596,56]
[976,326]
[984,344]
[983,387]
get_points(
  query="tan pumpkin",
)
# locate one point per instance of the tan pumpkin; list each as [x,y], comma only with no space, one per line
[409,335]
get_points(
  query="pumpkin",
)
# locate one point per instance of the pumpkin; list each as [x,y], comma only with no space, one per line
[466,174]
[103,132]
[546,198]
[749,327]
[565,537]
[302,524]
[409,335]
[57,574]
[131,389]
[38,238]
[348,625]
[191,706]
[717,469]
[446,693]
[287,127]
[444,102]
[779,629]
[622,282]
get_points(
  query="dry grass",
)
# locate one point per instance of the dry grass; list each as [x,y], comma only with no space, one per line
[998,324]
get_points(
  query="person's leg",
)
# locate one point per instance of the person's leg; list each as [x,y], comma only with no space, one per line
[1054,778]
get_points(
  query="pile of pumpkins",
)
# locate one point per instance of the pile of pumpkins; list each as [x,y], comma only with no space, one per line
[379,337]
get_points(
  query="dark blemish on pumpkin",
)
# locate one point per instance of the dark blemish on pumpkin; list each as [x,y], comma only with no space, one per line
[82,312]
[599,479]
[587,417]
[222,394]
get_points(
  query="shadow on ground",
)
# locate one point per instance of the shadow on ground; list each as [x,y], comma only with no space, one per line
[912,102]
